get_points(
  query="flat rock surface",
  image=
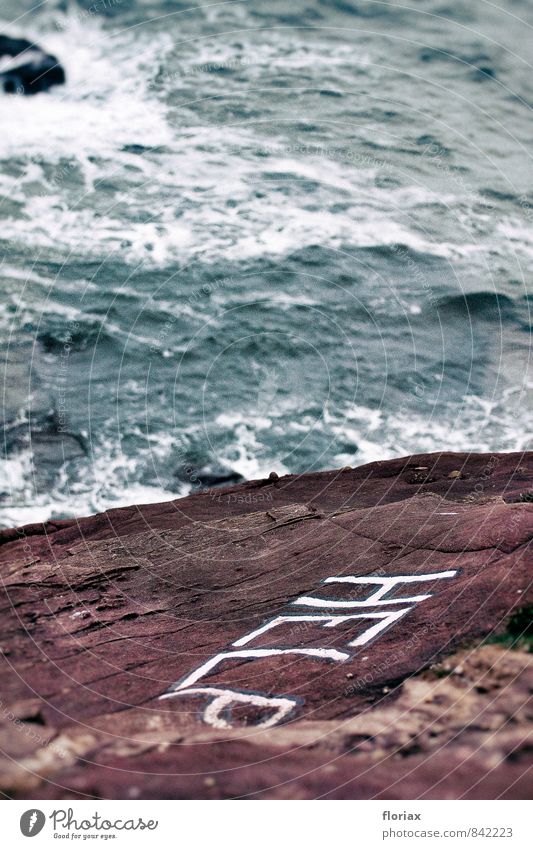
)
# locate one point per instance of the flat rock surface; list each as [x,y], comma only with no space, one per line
[323,635]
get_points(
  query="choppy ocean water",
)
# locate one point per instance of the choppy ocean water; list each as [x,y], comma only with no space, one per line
[255,236]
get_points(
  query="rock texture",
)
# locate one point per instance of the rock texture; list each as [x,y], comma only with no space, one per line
[102,616]
[26,68]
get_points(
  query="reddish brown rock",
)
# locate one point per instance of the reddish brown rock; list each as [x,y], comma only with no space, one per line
[103,616]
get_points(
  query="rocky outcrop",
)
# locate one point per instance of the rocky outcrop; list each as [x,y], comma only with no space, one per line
[351,634]
[26,69]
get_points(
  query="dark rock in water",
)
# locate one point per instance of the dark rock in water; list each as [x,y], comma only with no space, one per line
[488,306]
[479,63]
[378,612]
[51,447]
[222,478]
[54,448]
[31,71]
[484,72]
[208,477]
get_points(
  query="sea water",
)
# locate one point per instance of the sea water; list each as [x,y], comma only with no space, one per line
[256,236]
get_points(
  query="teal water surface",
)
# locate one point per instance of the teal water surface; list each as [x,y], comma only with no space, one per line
[258,236]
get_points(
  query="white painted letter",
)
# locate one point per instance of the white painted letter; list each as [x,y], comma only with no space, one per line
[331,622]
[222,699]
[209,665]
[386,584]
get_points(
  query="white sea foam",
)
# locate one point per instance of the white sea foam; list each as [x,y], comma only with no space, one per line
[104,108]
[110,481]
[128,167]
[474,426]
[103,105]
[253,445]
